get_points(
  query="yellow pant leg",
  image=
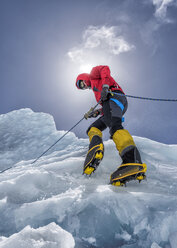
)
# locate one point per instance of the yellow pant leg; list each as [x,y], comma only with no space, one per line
[123,140]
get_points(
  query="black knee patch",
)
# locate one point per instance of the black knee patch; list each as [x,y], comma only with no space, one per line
[116,125]
[98,124]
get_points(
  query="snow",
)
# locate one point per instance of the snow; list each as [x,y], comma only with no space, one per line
[51,204]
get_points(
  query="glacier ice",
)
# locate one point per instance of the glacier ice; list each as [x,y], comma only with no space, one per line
[50,236]
[39,202]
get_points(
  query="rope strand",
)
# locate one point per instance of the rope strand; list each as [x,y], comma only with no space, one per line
[139,97]
[146,98]
[152,99]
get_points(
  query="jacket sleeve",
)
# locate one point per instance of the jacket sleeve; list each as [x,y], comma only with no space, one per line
[105,75]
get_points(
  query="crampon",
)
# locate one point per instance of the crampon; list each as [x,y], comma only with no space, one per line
[94,155]
[92,166]
[128,172]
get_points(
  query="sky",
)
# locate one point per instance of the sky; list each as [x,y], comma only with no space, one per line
[45,44]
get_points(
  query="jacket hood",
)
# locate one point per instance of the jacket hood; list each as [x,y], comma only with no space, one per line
[84,76]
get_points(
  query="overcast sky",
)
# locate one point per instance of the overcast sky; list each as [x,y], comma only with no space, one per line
[44,44]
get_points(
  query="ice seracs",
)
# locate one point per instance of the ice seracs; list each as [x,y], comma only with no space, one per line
[43,202]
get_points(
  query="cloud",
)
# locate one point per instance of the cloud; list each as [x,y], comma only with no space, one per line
[161,8]
[150,30]
[76,54]
[101,40]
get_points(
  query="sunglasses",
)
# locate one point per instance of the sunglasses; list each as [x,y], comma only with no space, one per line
[82,85]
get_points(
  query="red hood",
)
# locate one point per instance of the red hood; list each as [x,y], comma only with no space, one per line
[84,76]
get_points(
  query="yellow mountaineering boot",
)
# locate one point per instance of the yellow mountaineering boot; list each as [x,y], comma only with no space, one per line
[95,152]
[132,168]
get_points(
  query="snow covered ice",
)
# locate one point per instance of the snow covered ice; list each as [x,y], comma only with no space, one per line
[51,204]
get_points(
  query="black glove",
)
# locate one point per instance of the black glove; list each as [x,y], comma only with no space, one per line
[95,113]
[104,92]
[92,113]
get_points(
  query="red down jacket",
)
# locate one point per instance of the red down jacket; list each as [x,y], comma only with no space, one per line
[99,76]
